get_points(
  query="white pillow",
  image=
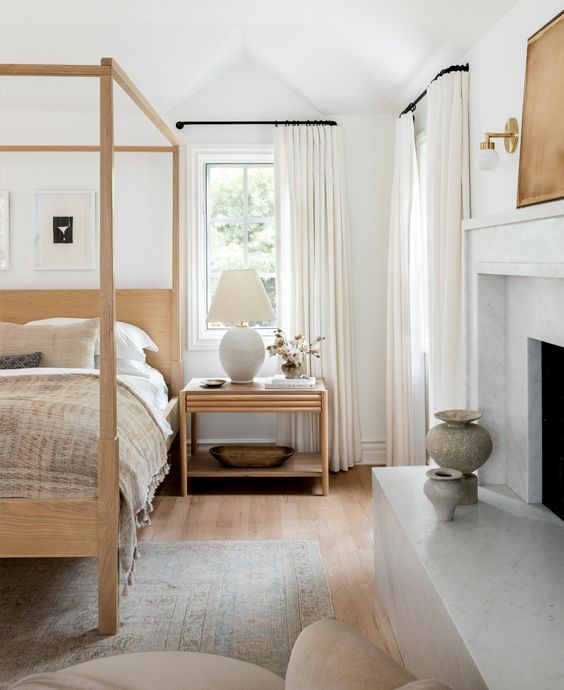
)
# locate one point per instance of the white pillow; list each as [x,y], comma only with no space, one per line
[144,378]
[131,341]
[133,367]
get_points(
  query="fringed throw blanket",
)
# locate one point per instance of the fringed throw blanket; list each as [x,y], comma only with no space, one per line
[49,430]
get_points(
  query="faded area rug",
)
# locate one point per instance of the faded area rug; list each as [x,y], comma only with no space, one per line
[243,599]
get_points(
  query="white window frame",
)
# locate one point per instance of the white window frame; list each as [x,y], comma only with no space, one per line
[200,337]
[421,153]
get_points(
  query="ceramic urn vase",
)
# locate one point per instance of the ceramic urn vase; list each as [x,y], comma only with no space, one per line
[292,371]
[460,444]
[445,490]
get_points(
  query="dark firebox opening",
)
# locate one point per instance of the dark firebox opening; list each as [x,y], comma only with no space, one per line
[553,428]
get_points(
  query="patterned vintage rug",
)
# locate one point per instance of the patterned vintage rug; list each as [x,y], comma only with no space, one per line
[243,599]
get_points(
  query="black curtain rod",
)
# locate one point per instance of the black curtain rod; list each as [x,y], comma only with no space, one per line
[453,68]
[276,123]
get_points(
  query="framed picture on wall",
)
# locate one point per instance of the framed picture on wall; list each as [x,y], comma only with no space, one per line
[541,169]
[4,231]
[65,230]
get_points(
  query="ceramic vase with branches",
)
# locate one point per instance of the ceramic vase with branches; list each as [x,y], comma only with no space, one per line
[293,351]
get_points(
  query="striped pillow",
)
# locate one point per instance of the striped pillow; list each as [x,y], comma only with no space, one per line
[69,346]
[29,361]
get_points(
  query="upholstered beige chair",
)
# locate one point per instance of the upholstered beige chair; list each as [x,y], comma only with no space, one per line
[327,656]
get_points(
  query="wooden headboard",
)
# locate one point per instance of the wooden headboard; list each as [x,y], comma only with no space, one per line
[151,310]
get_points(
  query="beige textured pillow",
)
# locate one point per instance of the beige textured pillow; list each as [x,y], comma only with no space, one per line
[69,346]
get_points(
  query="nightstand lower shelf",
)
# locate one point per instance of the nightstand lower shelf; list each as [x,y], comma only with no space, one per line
[299,465]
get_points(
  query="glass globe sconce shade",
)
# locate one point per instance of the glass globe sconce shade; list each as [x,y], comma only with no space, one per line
[488,157]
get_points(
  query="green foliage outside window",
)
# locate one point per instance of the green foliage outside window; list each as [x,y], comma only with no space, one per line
[240,225]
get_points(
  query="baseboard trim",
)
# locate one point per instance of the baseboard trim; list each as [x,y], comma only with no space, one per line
[373,453]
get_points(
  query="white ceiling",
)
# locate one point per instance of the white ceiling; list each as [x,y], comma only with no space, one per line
[341,56]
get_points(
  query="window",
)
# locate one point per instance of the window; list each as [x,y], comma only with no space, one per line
[422,318]
[421,152]
[232,227]
[240,225]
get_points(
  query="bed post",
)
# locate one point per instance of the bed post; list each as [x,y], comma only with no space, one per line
[108,448]
[176,353]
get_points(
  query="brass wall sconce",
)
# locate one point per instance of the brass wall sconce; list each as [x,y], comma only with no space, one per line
[489,157]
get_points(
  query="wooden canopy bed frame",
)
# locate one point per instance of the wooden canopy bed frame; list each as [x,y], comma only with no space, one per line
[78,527]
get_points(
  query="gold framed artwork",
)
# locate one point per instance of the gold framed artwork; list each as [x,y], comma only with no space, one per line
[541,164]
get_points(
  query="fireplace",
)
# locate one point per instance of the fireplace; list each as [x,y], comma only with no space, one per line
[513,303]
[553,428]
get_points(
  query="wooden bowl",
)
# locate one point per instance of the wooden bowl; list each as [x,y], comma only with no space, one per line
[242,455]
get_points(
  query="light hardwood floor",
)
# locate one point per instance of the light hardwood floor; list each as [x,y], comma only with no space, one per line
[286,509]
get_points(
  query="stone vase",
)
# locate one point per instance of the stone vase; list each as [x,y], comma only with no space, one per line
[470,484]
[292,371]
[445,490]
[460,444]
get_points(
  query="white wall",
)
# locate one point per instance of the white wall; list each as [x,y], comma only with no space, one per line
[143,213]
[369,150]
[497,77]
[248,92]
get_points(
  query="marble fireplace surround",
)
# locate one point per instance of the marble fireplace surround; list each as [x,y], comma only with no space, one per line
[478,602]
[514,300]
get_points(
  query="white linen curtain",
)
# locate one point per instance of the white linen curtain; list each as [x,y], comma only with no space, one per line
[314,295]
[405,364]
[448,201]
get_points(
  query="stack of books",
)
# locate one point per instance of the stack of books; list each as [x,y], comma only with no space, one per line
[280,381]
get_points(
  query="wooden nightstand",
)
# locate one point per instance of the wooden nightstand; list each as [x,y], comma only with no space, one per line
[252,397]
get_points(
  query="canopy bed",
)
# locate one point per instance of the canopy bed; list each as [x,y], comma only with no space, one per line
[78,526]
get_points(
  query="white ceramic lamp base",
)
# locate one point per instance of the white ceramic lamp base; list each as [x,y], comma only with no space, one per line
[241,353]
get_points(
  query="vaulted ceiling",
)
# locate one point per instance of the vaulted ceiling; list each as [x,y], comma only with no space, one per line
[341,56]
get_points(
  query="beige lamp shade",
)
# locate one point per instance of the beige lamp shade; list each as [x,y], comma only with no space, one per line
[240,296]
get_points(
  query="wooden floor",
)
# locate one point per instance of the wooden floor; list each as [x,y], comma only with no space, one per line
[286,509]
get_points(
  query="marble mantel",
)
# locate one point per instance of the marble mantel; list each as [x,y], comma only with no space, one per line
[478,602]
[514,300]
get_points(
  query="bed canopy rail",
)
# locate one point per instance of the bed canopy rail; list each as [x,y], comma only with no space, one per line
[89,527]
[84,149]
[43,70]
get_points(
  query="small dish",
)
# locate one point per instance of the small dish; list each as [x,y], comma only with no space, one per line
[213,383]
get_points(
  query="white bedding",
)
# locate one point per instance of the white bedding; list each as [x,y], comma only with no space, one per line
[151,389]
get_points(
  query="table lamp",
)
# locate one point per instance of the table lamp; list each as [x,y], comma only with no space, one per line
[240,297]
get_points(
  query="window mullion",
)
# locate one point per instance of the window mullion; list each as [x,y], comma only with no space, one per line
[245,218]
[208,243]
[221,220]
